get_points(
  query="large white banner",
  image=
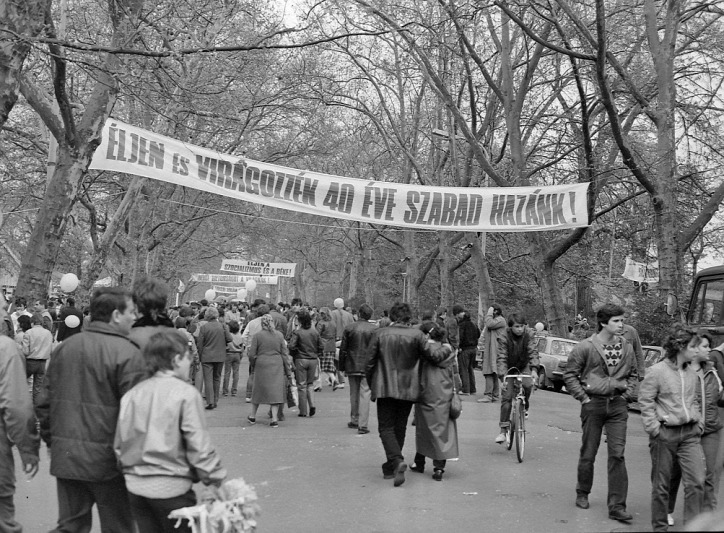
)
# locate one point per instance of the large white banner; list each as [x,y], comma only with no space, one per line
[260,268]
[132,150]
[231,278]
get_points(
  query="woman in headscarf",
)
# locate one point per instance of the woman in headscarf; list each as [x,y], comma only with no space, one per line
[328,331]
[269,351]
[436,434]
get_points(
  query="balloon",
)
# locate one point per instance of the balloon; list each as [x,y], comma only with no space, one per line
[240,294]
[539,326]
[210,294]
[250,285]
[339,303]
[69,282]
[72,321]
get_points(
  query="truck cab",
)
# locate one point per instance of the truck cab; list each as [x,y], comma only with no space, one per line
[706,310]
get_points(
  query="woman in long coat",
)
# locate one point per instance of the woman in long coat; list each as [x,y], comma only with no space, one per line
[269,351]
[436,434]
[495,328]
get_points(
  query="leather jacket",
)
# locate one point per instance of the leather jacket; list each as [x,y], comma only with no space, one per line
[393,368]
[354,350]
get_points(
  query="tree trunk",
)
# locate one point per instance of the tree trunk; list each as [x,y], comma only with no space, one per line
[486,291]
[446,296]
[413,270]
[550,288]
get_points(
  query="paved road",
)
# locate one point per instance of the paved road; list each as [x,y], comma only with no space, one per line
[316,475]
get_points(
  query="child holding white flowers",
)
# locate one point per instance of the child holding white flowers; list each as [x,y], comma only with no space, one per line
[162,443]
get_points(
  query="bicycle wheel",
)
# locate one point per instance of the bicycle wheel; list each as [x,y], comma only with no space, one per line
[511,429]
[520,430]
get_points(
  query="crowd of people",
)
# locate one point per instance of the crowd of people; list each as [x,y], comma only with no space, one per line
[118,394]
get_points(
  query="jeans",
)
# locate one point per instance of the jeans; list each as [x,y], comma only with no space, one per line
[466,363]
[613,414]
[212,381]
[231,366]
[151,514]
[670,443]
[492,386]
[710,447]
[509,393]
[75,505]
[392,415]
[359,399]
[35,368]
[304,372]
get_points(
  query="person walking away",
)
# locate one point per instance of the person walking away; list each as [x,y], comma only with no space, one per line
[150,296]
[393,373]
[712,429]
[17,428]
[234,349]
[162,442]
[669,398]
[36,347]
[436,434]
[306,347]
[24,324]
[354,354]
[328,331]
[253,326]
[269,350]
[517,349]
[601,373]
[213,339]
[341,318]
[69,309]
[495,325]
[468,334]
[78,412]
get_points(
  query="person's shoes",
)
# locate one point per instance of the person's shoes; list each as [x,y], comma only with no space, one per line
[233,394]
[273,424]
[500,439]
[224,393]
[337,386]
[387,476]
[302,416]
[312,411]
[670,519]
[251,419]
[485,399]
[282,418]
[437,474]
[620,515]
[417,468]
[526,414]
[340,386]
[400,474]
[352,425]
[363,431]
[464,393]
[248,400]
[317,389]
[582,501]
[210,407]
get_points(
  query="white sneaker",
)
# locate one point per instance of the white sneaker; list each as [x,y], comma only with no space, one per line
[670,519]
[526,414]
[500,439]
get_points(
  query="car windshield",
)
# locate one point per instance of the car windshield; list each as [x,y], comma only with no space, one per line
[561,347]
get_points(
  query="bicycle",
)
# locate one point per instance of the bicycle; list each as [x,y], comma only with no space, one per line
[516,431]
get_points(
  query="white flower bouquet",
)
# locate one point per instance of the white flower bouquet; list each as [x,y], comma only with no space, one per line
[232,508]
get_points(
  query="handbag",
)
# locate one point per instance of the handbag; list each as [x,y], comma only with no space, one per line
[291,400]
[456,405]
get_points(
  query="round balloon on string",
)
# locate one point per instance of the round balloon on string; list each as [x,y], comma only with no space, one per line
[241,293]
[69,282]
[250,285]
[210,294]
[339,303]
[72,321]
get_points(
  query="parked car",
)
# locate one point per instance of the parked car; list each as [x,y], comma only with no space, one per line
[553,353]
[652,355]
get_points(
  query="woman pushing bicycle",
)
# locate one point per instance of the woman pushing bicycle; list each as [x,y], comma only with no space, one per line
[516,349]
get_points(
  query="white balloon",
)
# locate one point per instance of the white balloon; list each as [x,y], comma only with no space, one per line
[339,303]
[539,326]
[210,294]
[250,285]
[240,294]
[69,282]
[72,321]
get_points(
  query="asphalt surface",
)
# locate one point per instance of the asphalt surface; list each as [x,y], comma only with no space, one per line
[317,475]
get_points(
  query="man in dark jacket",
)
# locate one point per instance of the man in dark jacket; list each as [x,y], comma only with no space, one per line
[600,373]
[354,353]
[393,375]
[78,411]
[65,331]
[468,334]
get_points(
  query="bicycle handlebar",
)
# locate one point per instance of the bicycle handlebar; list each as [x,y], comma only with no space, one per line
[517,376]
